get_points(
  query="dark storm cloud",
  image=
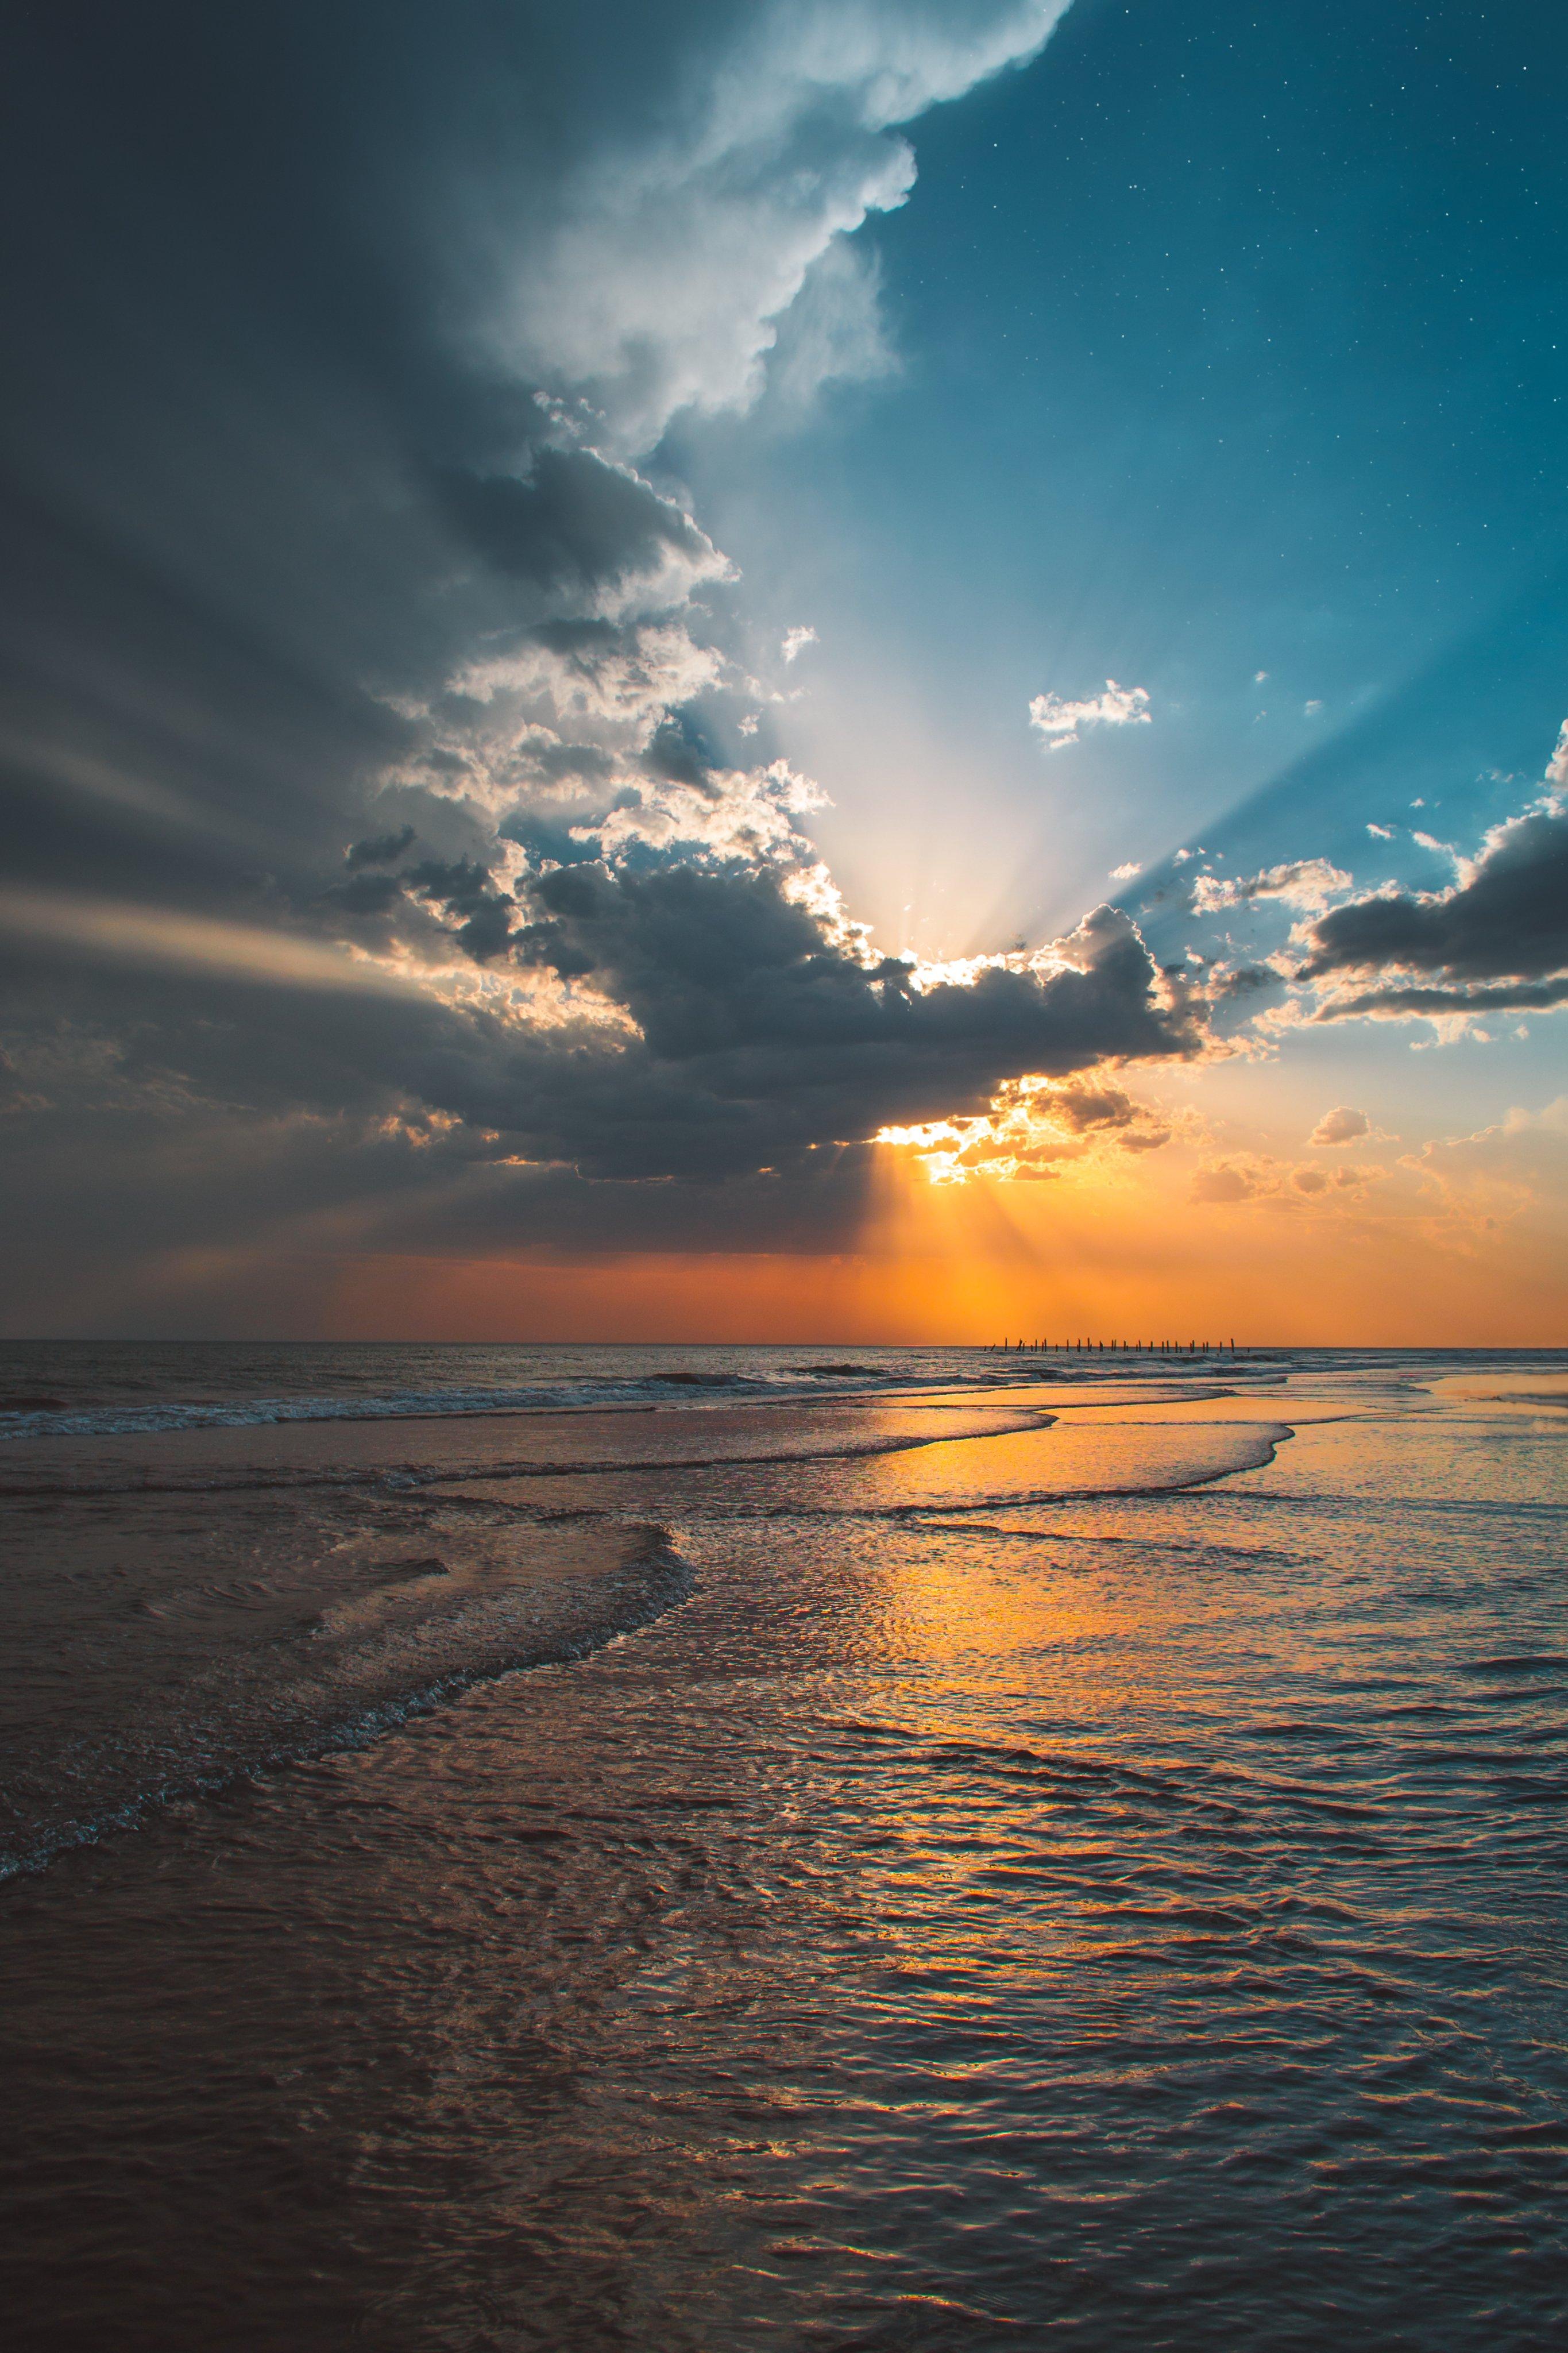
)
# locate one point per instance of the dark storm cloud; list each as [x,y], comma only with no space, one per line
[572,522]
[382,849]
[758,1039]
[723,970]
[345,602]
[1495,941]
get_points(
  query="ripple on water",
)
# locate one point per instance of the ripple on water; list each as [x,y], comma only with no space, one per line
[1132,1917]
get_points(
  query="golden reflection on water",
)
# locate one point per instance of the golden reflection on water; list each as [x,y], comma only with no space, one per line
[1072,1455]
[1507,1456]
[952,1603]
[983,1903]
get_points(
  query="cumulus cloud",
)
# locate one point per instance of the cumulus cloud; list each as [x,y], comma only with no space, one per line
[1255,1177]
[1496,937]
[1036,1130]
[1557,766]
[574,523]
[795,642]
[1126,872]
[667,258]
[1340,1126]
[377,823]
[1061,723]
[761,1033]
[1224,1180]
[1305,882]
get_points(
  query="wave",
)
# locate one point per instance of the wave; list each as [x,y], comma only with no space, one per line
[38,1416]
[123,1389]
[149,1476]
[413,1637]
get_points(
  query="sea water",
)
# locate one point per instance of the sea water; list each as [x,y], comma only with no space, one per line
[510,1848]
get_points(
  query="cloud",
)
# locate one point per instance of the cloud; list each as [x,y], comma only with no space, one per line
[1224,1181]
[1061,723]
[1125,873]
[1340,1126]
[1557,766]
[796,641]
[1516,1168]
[833,333]
[1036,1130]
[760,1033]
[1228,982]
[381,849]
[1498,937]
[1255,1177]
[375,832]
[582,527]
[1399,1003]
[671,254]
[1304,882]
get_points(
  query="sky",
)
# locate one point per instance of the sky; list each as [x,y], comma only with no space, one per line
[829,669]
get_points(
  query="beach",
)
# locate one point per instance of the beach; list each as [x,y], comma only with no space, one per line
[982,1851]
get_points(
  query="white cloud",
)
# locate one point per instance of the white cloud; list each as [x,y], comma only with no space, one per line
[795,642]
[664,275]
[1311,710]
[1307,883]
[1060,721]
[1125,873]
[1383,832]
[748,813]
[1557,767]
[833,333]
[512,725]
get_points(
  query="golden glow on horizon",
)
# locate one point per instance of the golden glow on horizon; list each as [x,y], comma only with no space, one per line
[1117,1251]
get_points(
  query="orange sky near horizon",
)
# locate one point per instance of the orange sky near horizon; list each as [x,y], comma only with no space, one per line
[1115,1249]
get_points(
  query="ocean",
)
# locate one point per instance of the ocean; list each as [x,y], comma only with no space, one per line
[706,1847]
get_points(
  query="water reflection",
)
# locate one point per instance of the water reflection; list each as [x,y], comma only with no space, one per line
[985,1908]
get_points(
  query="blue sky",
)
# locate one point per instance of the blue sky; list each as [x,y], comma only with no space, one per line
[1226,341]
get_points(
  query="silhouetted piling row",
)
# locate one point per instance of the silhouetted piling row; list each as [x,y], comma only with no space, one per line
[1153,1348]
